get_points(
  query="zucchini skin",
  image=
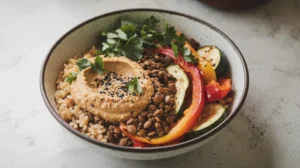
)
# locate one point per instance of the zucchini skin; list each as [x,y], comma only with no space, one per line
[193,134]
[183,83]
[223,66]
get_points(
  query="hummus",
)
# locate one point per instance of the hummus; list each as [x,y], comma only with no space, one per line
[111,107]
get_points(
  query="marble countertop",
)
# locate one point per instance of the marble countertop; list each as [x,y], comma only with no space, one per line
[264,134]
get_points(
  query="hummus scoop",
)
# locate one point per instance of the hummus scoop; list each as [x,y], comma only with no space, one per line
[111,107]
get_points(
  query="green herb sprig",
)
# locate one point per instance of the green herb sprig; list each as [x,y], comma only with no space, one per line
[131,38]
[84,63]
[134,86]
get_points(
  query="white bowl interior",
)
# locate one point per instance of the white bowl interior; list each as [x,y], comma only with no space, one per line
[82,38]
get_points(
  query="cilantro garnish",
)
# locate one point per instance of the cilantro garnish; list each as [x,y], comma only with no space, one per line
[131,38]
[188,56]
[175,48]
[71,77]
[83,63]
[98,66]
[151,22]
[134,86]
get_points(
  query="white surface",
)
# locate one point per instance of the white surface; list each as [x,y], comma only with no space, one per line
[265,134]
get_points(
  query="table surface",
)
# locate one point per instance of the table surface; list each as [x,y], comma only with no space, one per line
[264,134]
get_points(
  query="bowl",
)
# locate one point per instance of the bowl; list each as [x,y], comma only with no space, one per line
[80,39]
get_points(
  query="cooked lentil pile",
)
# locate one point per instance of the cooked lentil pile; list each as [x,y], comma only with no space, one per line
[157,119]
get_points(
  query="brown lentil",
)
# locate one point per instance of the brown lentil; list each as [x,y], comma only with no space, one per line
[129,121]
[161,105]
[170,119]
[167,99]
[123,141]
[158,98]
[161,133]
[166,129]
[117,130]
[110,135]
[141,132]
[131,129]
[157,112]
[172,87]
[157,119]
[141,118]
[157,125]
[148,124]
[152,108]
[152,133]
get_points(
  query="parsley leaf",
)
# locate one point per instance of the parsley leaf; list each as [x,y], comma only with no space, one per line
[130,39]
[134,86]
[138,87]
[169,34]
[111,41]
[71,77]
[152,22]
[133,48]
[105,46]
[83,63]
[175,48]
[122,35]
[129,29]
[180,41]
[126,22]
[98,66]
[111,35]
[188,56]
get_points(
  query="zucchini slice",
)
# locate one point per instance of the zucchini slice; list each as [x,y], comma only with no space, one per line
[212,114]
[215,56]
[182,83]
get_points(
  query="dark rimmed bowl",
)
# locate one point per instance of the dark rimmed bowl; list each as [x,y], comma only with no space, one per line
[80,39]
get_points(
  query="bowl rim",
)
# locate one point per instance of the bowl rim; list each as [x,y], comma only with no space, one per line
[147,149]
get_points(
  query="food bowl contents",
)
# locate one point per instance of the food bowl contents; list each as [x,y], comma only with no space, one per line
[141,87]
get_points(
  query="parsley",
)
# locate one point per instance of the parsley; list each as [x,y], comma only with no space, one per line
[175,48]
[98,66]
[168,35]
[71,77]
[122,35]
[188,56]
[133,48]
[131,38]
[111,35]
[129,29]
[134,86]
[151,22]
[83,63]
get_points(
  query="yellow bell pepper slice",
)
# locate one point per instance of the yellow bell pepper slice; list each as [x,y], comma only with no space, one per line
[207,70]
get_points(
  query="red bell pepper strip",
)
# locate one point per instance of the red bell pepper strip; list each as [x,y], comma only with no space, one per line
[216,91]
[191,114]
[138,144]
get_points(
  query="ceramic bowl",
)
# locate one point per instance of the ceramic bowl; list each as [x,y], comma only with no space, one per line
[80,39]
